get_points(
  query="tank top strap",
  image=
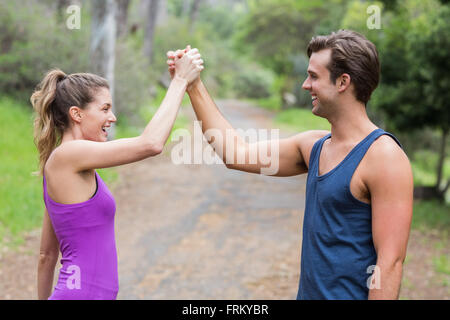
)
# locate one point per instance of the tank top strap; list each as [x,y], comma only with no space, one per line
[361,149]
[315,153]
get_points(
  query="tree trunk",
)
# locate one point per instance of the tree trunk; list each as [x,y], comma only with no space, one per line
[122,17]
[152,13]
[194,14]
[163,13]
[103,43]
[186,8]
[61,7]
[440,167]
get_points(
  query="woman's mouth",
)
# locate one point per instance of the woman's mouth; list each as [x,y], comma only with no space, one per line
[105,129]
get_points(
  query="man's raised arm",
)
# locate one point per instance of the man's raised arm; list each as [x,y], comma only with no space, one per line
[285,156]
[278,157]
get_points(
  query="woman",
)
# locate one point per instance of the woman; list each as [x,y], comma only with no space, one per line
[73,114]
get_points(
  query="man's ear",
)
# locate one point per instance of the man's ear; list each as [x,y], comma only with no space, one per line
[75,114]
[343,82]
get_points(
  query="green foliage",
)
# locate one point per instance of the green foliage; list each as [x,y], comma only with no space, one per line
[32,41]
[276,34]
[274,30]
[415,59]
[253,82]
[132,81]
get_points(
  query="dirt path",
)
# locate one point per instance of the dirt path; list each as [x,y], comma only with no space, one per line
[206,232]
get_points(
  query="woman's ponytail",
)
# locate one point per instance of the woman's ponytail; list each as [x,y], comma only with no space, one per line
[46,133]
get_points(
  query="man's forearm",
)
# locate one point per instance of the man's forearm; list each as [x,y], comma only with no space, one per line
[386,284]
[211,118]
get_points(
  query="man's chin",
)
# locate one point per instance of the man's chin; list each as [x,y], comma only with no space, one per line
[317,112]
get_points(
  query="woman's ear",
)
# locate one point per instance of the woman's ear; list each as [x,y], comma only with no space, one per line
[343,82]
[76,114]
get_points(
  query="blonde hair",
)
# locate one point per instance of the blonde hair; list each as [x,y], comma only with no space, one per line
[51,102]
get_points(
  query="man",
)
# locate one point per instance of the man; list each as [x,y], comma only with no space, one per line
[359,191]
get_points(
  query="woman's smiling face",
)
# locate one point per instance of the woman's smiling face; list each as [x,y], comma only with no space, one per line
[98,117]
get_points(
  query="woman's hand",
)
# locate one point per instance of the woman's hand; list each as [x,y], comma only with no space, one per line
[174,56]
[187,64]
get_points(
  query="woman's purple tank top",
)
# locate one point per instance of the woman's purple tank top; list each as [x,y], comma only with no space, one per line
[85,232]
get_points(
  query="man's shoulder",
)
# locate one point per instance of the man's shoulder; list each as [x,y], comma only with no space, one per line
[385,158]
[384,148]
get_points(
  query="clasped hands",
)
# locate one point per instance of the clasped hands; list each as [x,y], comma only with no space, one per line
[185,64]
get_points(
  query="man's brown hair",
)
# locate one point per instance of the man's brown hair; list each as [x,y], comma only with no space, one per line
[353,54]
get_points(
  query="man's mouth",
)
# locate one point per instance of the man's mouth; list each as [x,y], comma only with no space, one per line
[313,98]
[105,129]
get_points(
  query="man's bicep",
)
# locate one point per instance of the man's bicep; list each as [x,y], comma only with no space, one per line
[391,189]
[290,159]
[295,152]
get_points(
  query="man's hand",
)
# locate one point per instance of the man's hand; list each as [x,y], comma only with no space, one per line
[175,56]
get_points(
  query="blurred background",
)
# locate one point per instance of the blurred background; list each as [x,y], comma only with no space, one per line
[255,52]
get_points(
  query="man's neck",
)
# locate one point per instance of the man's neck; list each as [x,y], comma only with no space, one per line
[351,124]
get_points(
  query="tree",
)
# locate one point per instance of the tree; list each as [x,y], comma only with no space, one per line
[152,14]
[276,33]
[415,93]
[194,14]
[103,43]
[122,17]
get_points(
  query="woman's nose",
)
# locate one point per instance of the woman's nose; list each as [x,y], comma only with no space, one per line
[112,118]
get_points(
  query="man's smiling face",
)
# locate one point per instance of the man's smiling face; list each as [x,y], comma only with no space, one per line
[323,91]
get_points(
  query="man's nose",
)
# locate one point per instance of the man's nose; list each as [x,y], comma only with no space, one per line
[306,84]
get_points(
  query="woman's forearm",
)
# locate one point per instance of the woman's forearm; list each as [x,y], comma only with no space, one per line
[46,271]
[160,126]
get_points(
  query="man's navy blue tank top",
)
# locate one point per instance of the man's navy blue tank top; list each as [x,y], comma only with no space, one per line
[337,248]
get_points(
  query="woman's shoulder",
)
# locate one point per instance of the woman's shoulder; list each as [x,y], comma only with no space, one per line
[58,158]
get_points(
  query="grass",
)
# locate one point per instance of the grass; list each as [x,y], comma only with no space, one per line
[272,103]
[299,120]
[442,264]
[431,215]
[20,192]
[424,164]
